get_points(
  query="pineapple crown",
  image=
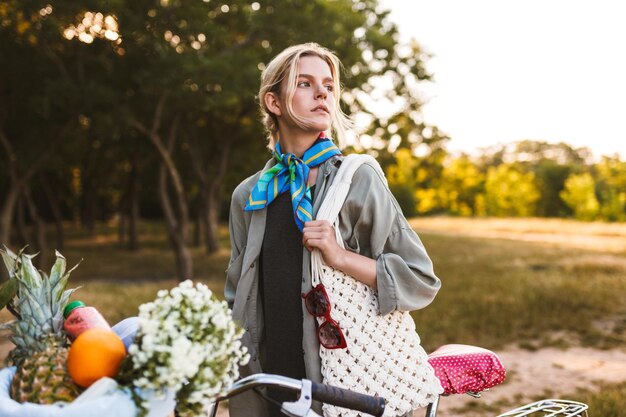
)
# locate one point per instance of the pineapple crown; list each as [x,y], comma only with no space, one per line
[37,302]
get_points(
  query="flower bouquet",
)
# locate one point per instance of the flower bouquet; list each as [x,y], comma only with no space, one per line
[183,350]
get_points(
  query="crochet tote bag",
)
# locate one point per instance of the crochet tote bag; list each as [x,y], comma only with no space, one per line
[383,355]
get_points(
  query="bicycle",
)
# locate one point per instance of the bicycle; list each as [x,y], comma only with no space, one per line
[476,378]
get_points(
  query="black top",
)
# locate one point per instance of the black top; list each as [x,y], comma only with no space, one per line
[280,282]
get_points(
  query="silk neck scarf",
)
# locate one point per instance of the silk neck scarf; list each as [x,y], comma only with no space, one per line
[292,173]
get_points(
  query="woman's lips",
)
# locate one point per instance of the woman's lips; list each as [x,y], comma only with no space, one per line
[321,108]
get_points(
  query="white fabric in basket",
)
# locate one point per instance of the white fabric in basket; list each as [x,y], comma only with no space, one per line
[104,401]
[384,356]
[116,404]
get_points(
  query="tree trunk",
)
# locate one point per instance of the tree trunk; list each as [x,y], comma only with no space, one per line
[39,226]
[22,233]
[53,202]
[211,223]
[91,178]
[6,213]
[177,220]
[122,210]
[89,209]
[213,201]
[197,224]
[133,205]
[17,181]
[175,230]
[6,220]
[210,191]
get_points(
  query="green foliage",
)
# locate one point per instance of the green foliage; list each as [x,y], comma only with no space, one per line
[551,177]
[611,187]
[461,184]
[613,205]
[402,180]
[579,195]
[530,183]
[8,291]
[509,192]
[89,91]
[428,200]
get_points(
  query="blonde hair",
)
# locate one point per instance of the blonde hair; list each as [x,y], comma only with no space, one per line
[284,67]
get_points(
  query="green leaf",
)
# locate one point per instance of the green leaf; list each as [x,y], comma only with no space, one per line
[10,260]
[8,291]
[29,271]
[58,269]
[39,314]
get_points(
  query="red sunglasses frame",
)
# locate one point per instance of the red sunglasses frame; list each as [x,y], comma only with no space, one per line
[328,320]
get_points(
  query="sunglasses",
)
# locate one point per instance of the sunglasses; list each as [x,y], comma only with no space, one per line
[318,304]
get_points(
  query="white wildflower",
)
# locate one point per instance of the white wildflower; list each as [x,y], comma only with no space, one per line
[187,337]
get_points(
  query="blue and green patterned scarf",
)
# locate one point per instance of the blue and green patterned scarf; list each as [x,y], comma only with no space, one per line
[292,173]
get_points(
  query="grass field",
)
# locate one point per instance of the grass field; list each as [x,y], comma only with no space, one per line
[502,283]
[529,281]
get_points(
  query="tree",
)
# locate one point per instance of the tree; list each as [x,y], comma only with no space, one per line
[509,192]
[579,195]
[461,184]
[551,163]
[551,176]
[402,180]
[210,70]
[122,83]
[611,187]
[35,117]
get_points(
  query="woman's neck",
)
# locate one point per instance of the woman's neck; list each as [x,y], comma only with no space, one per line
[297,142]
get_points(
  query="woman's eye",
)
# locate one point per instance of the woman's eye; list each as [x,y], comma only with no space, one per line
[329,87]
[304,84]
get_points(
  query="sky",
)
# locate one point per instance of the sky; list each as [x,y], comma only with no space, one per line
[506,70]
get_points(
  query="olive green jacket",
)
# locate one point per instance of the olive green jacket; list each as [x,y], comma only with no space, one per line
[371,224]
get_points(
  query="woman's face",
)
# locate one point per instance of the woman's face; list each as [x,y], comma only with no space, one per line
[313,101]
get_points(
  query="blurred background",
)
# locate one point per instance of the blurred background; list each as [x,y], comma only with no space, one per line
[125,126]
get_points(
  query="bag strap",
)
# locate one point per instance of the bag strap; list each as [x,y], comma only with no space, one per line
[334,200]
[338,191]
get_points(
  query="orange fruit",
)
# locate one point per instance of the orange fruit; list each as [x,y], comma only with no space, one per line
[94,354]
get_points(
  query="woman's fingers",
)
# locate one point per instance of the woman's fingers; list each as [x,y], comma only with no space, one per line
[320,234]
[317,225]
[315,239]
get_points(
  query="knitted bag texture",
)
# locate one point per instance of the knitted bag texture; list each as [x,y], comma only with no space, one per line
[384,356]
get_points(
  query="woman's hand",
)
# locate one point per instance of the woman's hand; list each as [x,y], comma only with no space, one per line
[320,234]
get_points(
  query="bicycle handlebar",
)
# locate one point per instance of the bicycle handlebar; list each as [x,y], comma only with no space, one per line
[348,399]
[320,392]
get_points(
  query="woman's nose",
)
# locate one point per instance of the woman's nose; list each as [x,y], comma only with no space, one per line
[321,92]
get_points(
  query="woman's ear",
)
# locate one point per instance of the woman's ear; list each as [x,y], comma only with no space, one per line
[272,102]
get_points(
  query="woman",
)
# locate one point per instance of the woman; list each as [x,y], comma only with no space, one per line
[272,231]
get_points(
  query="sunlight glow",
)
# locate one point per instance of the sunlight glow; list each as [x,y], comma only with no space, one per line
[94,25]
[46,10]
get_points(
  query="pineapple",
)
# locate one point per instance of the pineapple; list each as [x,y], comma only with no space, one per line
[41,346]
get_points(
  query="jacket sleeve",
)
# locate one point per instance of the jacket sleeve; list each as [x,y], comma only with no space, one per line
[373,225]
[238,229]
